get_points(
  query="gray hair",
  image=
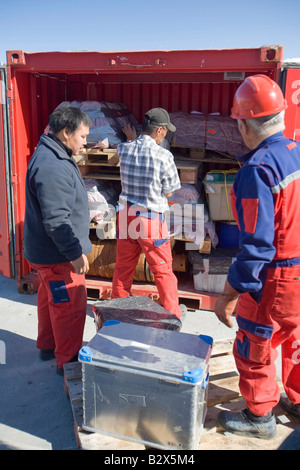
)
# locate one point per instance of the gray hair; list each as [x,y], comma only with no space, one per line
[262,125]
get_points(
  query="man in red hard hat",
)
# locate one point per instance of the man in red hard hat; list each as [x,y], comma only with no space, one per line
[263,284]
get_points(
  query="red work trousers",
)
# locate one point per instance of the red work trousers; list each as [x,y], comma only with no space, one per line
[61,306]
[262,328]
[141,233]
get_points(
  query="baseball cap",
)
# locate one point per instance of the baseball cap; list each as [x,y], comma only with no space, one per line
[160,117]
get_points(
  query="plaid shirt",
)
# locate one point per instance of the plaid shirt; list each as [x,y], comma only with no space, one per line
[147,173]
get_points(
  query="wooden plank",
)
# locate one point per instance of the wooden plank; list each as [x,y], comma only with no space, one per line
[223,390]
[214,438]
[186,165]
[95,441]
[222,347]
[100,288]
[100,152]
[189,153]
[106,229]
[102,176]
[105,159]
[222,365]
[97,151]
[223,383]
[72,371]
[97,164]
[206,247]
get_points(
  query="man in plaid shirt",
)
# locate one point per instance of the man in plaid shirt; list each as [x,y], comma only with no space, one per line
[148,176]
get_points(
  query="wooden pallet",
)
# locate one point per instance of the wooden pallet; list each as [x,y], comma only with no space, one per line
[100,288]
[223,393]
[106,229]
[205,248]
[191,153]
[99,156]
[100,164]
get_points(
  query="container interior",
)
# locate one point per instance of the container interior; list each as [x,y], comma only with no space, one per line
[37,93]
[40,93]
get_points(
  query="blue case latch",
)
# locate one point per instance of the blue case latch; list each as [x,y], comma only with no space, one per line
[193,376]
[85,354]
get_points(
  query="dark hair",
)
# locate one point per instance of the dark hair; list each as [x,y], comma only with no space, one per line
[69,117]
[148,128]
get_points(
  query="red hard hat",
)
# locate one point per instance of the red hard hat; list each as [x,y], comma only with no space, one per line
[257,96]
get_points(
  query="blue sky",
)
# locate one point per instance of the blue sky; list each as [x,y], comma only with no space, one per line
[115,25]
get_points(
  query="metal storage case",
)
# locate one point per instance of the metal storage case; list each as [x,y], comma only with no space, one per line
[146,384]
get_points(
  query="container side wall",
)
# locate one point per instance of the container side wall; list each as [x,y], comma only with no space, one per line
[6,218]
[178,92]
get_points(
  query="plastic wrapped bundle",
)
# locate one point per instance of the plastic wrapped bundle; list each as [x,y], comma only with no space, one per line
[190,129]
[138,310]
[98,206]
[187,193]
[222,135]
[108,120]
[213,132]
[102,195]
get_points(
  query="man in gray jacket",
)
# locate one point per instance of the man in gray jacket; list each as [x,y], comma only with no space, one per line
[56,234]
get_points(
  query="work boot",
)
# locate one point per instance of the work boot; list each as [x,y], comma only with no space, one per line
[46,354]
[245,423]
[287,405]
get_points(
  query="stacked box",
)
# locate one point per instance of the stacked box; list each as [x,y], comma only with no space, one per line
[146,385]
[218,185]
[210,272]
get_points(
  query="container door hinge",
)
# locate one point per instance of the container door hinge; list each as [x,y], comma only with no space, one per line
[14,179]
[10,94]
[16,58]
[271,54]
[18,257]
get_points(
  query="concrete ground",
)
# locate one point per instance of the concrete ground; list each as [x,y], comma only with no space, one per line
[35,413]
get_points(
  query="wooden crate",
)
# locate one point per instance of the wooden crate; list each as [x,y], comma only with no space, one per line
[223,393]
[188,171]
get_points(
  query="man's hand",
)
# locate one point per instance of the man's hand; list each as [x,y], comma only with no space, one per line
[81,265]
[226,303]
[130,132]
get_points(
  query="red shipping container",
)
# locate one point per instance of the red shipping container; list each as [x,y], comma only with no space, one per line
[33,84]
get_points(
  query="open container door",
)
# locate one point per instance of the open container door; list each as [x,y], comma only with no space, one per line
[291,89]
[6,211]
